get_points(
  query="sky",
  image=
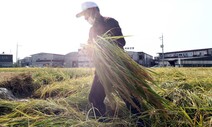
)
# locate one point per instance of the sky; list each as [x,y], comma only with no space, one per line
[33,26]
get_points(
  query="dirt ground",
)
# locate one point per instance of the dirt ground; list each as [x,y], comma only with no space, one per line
[7,75]
[20,84]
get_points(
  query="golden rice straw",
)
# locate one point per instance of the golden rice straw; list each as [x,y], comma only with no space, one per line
[120,74]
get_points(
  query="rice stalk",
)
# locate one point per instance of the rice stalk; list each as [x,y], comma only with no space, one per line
[121,75]
[187,116]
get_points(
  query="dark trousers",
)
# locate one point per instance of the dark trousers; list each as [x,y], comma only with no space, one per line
[97,96]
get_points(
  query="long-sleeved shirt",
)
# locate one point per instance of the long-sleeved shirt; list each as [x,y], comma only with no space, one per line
[108,26]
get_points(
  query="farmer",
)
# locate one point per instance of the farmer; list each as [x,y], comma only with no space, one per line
[100,26]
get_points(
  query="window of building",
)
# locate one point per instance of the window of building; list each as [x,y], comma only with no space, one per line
[185,54]
[140,57]
[190,54]
[180,55]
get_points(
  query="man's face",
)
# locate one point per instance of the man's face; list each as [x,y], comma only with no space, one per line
[87,14]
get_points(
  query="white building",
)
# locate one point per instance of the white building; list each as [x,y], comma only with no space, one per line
[47,59]
[187,58]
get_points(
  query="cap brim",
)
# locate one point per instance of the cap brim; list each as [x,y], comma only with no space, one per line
[80,14]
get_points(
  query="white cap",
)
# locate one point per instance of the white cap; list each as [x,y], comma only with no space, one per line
[85,6]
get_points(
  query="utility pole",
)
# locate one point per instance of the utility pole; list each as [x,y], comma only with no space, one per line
[17,46]
[162,46]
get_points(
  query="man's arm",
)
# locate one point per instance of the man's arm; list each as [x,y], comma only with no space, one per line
[115,30]
[91,35]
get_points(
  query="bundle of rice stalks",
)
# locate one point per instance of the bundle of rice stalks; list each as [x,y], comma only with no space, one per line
[121,75]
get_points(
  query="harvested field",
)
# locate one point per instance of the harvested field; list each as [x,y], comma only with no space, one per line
[58,97]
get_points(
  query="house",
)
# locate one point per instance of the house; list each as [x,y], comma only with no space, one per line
[27,61]
[187,58]
[6,60]
[71,59]
[141,58]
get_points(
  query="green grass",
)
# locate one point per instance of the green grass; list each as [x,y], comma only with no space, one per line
[59,97]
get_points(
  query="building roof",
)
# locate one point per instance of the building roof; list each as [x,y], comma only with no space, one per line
[188,50]
[139,53]
[189,58]
[46,53]
[70,53]
[7,54]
